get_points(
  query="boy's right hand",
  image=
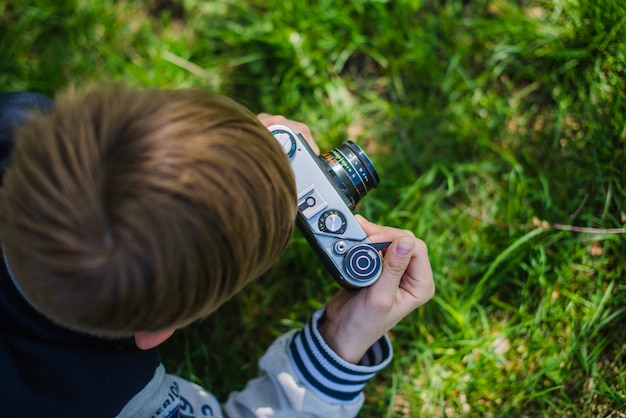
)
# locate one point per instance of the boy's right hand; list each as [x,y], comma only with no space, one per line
[356,319]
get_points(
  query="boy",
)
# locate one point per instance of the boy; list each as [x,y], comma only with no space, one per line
[126,214]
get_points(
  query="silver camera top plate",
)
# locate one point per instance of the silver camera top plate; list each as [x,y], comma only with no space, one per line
[325,218]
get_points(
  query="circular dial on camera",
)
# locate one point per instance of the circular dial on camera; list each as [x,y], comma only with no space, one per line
[363,263]
[286,140]
[332,221]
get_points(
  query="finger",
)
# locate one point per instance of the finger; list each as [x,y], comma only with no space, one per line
[269,119]
[378,233]
[418,283]
[298,127]
[395,263]
[370,228]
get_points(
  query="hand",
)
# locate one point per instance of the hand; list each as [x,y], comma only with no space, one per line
[300,128]
[355,320]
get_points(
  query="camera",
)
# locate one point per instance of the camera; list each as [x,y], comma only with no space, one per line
[329,187]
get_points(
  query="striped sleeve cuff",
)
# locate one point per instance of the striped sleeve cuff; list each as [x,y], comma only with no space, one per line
[328,375]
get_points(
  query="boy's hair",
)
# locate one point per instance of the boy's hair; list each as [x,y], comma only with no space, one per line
[137,210]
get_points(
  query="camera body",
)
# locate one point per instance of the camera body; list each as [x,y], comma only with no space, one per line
[329,186]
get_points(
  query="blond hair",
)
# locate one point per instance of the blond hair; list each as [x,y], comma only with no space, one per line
[137,210]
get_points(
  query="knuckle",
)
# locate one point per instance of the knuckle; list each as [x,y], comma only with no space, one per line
[273,119]
[397,267]
[421,246]
[431,290]
[305,130]
[381,304]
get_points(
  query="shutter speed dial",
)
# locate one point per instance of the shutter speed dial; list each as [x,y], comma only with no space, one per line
[332,221]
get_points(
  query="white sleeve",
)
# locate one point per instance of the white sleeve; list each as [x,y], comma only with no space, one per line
[167,396]
[300,376]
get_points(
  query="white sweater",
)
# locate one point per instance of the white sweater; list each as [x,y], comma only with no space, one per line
[300,376]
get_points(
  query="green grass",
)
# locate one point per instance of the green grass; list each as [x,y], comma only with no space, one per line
[499,131]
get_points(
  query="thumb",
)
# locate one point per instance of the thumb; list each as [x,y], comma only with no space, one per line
[396,261]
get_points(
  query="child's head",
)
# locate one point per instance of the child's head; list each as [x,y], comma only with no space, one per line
[127,210]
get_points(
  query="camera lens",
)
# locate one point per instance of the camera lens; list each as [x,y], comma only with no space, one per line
[352,171]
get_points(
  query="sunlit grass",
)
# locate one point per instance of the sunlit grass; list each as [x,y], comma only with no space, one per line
[499,133]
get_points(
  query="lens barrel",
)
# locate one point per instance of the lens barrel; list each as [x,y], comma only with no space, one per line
[352,171]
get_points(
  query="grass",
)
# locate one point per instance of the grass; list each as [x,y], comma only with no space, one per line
[499,131]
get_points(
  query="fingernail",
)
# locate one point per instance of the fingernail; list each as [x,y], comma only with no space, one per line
[404,248]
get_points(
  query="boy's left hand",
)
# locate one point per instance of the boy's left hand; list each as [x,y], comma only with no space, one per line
[356,319]
[300,128]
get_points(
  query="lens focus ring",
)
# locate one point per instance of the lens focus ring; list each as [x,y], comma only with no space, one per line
[352,171]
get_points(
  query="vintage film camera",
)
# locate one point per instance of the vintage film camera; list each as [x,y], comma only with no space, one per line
[329,186]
